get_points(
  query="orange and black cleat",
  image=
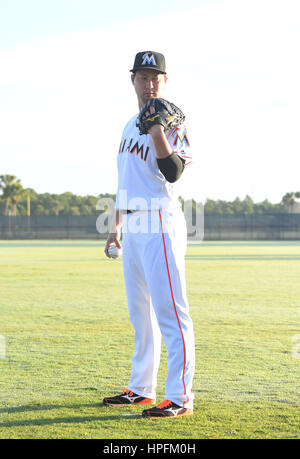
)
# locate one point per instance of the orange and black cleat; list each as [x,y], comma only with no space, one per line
[167,409]
[127,398]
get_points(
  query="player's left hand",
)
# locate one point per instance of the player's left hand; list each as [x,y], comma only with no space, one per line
[156,128]
[159,112]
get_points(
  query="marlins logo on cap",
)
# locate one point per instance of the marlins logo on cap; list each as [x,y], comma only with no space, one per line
[149,60]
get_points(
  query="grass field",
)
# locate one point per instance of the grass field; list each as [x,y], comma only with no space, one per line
[67,342]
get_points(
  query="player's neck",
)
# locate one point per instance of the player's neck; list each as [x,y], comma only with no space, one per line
[141,103]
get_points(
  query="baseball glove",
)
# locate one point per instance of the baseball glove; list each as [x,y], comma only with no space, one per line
[165,113]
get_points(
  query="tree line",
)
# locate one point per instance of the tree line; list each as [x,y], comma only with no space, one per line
[15,200]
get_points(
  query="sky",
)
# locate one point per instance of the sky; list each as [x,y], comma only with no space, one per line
[233,68]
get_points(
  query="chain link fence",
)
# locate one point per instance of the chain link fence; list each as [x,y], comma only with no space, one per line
[216,227]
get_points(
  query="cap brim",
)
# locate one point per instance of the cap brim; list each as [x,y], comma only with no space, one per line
[148,68]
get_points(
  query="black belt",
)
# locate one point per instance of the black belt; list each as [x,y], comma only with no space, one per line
[127,211]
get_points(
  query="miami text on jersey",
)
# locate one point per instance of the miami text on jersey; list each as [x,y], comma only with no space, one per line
[136,148]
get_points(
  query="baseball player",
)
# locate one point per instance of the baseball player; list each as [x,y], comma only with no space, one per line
[154,153]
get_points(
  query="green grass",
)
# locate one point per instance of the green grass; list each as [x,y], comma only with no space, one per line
[69,342]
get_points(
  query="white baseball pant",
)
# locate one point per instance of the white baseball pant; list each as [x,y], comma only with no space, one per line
[154,246]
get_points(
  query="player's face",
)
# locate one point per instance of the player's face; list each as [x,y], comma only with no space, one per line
[148,84]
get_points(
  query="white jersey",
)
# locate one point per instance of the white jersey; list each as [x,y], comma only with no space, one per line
[141,185]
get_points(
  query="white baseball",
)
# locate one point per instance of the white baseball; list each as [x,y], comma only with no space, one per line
[114,251]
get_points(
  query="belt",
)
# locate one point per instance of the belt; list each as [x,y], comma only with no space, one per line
[131,211]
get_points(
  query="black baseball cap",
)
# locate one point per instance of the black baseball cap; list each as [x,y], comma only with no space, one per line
[149,60]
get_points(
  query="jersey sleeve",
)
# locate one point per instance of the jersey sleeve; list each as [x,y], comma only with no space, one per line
[178,139]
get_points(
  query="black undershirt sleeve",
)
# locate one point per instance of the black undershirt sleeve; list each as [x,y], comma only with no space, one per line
[171,167]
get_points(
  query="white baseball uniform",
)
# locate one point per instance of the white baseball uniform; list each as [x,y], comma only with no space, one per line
[154,244]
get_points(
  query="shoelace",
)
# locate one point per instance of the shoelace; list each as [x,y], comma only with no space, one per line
[164,404]
[128,392]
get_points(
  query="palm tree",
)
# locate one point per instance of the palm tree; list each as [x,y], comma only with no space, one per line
[11,189]
[289,200]
[18,193]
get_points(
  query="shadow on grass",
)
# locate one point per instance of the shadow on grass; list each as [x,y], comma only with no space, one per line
[25,408]
[68,420]
[62,420]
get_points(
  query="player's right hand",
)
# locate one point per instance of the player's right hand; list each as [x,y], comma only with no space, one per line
[113,238]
